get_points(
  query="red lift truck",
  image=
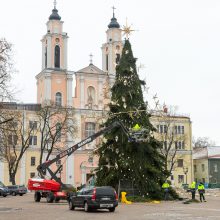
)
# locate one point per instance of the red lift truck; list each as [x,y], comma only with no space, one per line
[54,189]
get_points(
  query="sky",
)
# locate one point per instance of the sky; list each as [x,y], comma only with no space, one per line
[177,42]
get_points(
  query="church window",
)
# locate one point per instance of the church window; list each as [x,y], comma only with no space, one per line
[58,100]
[106,62]
[58,131]
[117,58]
[45,57]
[89,129]
[57,57]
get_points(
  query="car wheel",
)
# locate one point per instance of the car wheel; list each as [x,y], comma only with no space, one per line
[71,206]
[50,197]
[37,196]
[86,207]
[4,195]
[14,193]
[20,194]
[112,209]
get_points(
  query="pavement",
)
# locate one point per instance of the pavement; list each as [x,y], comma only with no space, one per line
[24,208]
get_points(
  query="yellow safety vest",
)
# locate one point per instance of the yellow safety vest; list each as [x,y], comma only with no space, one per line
[193,185]
[136,127]
[165,185]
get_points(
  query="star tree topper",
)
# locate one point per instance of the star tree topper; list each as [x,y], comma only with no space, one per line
[127,29]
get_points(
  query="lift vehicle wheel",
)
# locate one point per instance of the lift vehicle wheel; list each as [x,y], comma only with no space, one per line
[50,197]
[57,199]
[37,196]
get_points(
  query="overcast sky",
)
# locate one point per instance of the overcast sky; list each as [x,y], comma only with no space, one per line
[178,41]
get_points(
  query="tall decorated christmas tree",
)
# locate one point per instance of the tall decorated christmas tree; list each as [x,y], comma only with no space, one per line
[121,158]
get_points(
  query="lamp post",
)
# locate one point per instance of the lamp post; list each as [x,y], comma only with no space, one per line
[185,170]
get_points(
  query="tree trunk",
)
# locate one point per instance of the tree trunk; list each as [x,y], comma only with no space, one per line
[12,178]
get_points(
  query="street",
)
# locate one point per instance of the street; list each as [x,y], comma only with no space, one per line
[20,208]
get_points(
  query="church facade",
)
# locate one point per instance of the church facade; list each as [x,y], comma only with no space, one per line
[90,102]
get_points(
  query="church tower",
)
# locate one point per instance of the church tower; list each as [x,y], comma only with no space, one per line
[54,82]
[112,49]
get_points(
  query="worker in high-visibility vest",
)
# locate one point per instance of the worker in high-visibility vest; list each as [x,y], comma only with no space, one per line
[201,190]
[166,188]
[136,127]
[193,190]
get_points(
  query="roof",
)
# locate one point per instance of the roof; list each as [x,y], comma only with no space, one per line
[212,152]
[91,69]
[55,15]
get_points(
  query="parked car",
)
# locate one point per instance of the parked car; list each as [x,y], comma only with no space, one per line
[104,197]
[3,190]
[17,190]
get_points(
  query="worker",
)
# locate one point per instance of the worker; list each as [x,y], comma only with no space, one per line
[136,127]
[193,190]
[201,190]
[166,188]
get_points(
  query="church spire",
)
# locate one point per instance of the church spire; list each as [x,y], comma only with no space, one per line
[55,15]
[113,23]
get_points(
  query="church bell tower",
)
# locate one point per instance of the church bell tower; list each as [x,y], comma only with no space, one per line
[54,82]
[112,49]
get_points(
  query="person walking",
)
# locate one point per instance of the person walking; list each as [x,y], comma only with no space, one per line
[166,189]
[201,190]
[193,190]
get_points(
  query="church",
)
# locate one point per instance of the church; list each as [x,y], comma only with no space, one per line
[91,88]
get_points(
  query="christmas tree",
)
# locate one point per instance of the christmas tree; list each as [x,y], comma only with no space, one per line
[121,158]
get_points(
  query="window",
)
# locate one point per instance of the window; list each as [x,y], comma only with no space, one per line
[162,129]
[180,178]
[172,177]
[179,129]
[57,57]
[58,163]
[33,159]
[203,167]
[203,180]
[32,175]
[215,168]
[89,129]
[32,124]
[180,162]
[12,139]
[58,131]
[179,145]
[117,58]
[33,140]
[45,57]
[106,62]
[58,99]
[195,168]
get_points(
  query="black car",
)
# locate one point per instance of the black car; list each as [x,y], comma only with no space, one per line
[3,190]
[17,190]
[104,197]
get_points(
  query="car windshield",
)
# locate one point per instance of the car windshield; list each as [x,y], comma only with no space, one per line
[1,184]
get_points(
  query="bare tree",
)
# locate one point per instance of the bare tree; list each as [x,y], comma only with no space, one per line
[171,135]
[56,125]
[202,142]
[6,69]
[15,140]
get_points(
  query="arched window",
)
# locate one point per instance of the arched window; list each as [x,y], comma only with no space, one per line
[57,57]
[45,57]
[89,129]
[58,100]
[58,131]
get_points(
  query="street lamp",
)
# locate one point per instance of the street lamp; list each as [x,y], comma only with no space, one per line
[185,170]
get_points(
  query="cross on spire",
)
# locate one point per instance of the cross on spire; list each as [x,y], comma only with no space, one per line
[55,3]
[91,56]
[113,11]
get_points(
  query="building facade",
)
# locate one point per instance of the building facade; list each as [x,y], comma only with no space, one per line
[90,104]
